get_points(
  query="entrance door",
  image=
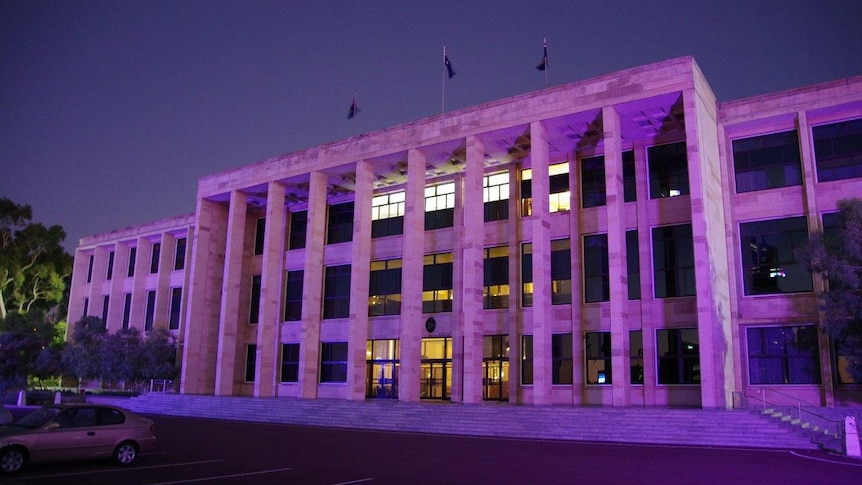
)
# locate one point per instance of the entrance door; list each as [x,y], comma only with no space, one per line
[436,370]
[495,380]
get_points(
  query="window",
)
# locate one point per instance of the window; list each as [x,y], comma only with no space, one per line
[298,228]
[838,150]
[151,310]
[289,362]
[254,300]
[293,296]
[154,258]
[127,309]
[259,232]
[558,188]
[526,359]
[340,223]
[527,275]
[495,195]
[110,272]
[636,356]
[105,300]
[596,272]
[437,283]
[783,355]
[86,307]
[439,206]
[495,293]
[630,193]
[561,356]
[593,181]
[767,162]
[769,265]
[526,192]
[250,359]
[678,356]
[90,270]
[633,261]
[333,362]
[336,292]
[382,360]
[598,357]
[668,170]
[176,304]
[387,214]
[133,253]
[384,288]
[180,255]
[561,272]
[673,261]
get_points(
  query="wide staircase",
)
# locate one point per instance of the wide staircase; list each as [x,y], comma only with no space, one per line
[730,428]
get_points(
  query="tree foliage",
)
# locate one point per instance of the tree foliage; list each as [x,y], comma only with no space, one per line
[837,255]
[23,340]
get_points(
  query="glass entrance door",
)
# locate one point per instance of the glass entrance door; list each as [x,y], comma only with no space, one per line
[382,366]
[436,369]
[495,368]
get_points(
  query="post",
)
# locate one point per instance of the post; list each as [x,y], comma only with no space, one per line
[851,437]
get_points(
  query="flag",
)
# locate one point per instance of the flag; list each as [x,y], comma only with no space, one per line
[448,64]
[544,64]
[353,109]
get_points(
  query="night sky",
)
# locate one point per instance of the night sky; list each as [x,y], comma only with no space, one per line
[110,112]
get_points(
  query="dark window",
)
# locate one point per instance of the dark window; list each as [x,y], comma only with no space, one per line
[387,214]
[636,353]
[561,356]
[333,362]
[527,275]
[293,296]
[630,193]
[678,356]
[127,309]
[86,307]
[838,150]
[254,302]
[180,255]
[176,304]
[633,261]
[298,228]
[289,362]
[108,416]
[561,272]
[384,288]
[596,272]
[598,358]
[593,181]
[154,259]
[439,206]
[783,355]
[90,269]
[495,194]
[526,359]
[340,223]
[495,293]
[767,162]
[133,253]
[151,310]
[668,170]
[768,260]
[336,292]
[250,359]
[110,273]
[105,300]
[437,283]
[259,232]
[673,260]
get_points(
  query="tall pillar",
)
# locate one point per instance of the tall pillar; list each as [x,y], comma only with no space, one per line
[472,264]
[78,290]
[541,238]
[139,284]
[411,277]
[229,338]
[618,275]
[163,285]
[645,271]
[312,284]
[118,277]
[577,308]
[515,312]
[97,282]
[357,336]
[272,270]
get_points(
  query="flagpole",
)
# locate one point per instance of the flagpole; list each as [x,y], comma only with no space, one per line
[443,96]
[353,118]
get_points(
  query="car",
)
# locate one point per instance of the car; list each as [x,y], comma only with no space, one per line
[5,416]
[75,431]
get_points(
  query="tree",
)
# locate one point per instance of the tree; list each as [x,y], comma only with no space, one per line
[23,337]
[160,352]
[837,255]
[82,354]
[33,264]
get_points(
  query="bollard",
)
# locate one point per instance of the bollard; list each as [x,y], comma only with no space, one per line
[22,398]
[851,437]
[58,397]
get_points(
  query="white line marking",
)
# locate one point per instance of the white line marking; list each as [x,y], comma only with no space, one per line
[128,469]
[362,480]
[835,462]
[219,477]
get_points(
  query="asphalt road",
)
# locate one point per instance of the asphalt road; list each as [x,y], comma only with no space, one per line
[229,452]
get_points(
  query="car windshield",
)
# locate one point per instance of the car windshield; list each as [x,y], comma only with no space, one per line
[37,418]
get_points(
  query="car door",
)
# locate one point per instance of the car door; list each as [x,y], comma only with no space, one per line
[69,435]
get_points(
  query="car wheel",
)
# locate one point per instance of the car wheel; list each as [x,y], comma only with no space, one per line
[12,460]
[125,453]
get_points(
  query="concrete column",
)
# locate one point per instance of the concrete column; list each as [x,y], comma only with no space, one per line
[515,312]
[97,282]
[576,242]
[200,334]
[618,275]
[272,271]
[78,290]
[360,270]
[472,264]
[230,345]
[541,238]
[646,281]
[411,277]
[137,313]
[710,250]
[312,285]
[163,285]
[115,312]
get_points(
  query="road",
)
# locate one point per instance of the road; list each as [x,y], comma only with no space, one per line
[229,452]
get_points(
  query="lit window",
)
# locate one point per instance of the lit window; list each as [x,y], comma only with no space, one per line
[384,288]
[387,214]
[439,206]
[495,293]
[495,195]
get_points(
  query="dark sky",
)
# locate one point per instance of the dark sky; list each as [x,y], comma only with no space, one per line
[111,111]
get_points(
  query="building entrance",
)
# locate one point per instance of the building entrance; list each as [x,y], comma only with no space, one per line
[495,368]
[436,370]
[382,366]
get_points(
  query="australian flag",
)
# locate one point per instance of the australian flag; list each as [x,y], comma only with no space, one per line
[544,64]
[353,109]
[448,64]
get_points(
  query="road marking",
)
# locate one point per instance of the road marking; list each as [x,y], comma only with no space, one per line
[219,477]
[127,469]
[836,462]
[362,480]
